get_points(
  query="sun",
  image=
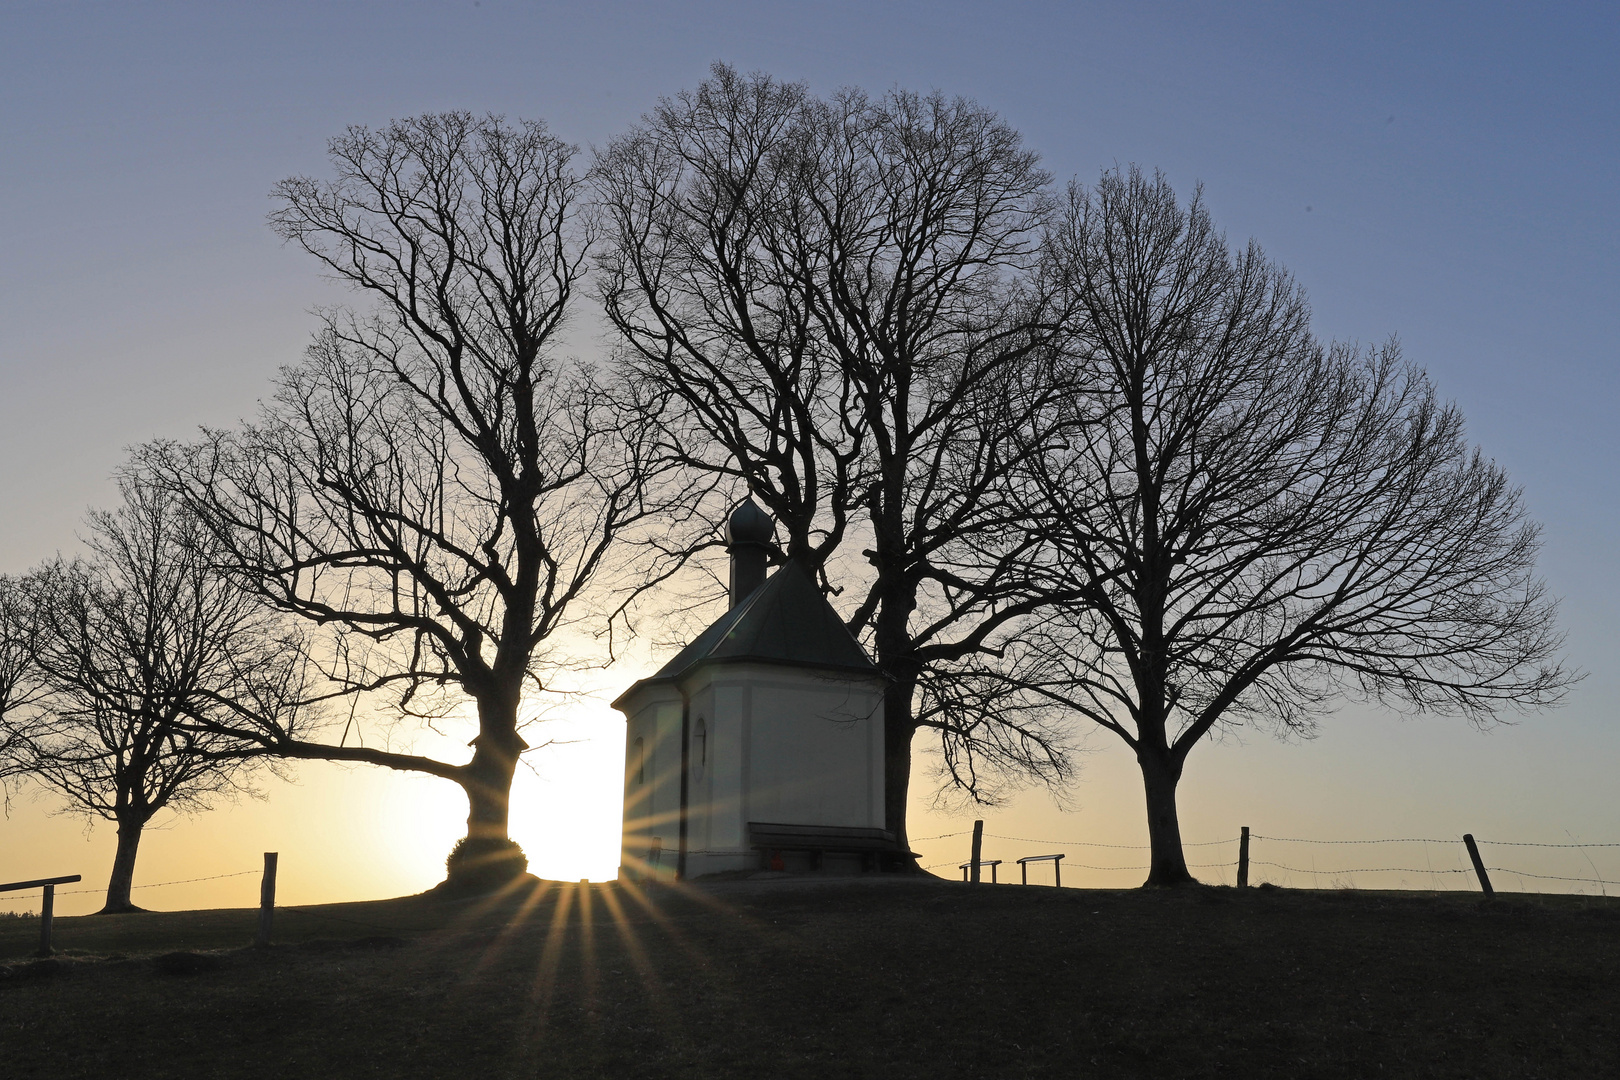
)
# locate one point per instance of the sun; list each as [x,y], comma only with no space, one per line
[392,830]
[568,797]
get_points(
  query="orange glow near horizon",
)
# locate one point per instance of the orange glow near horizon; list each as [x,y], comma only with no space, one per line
[358,833]
[344,832]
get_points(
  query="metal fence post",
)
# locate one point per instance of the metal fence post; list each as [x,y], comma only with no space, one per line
[1243,859]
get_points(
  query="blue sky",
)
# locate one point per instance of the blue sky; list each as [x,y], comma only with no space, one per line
[1441,172]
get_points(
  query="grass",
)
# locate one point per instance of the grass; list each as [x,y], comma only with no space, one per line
[830,978]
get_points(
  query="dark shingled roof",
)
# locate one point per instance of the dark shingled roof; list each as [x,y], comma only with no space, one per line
[784,621]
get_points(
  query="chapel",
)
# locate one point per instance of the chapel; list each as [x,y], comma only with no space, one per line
[759,746]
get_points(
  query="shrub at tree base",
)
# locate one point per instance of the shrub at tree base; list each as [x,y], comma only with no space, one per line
[484,863]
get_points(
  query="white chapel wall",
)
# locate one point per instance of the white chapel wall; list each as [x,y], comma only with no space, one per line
[778,745]
[812,746]
[652,783]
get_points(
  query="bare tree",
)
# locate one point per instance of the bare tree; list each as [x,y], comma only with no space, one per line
[434,484]
[1257,524]
[131,653]
[832,300]
[20,685]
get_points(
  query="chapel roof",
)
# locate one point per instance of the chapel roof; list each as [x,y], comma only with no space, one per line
[785,621]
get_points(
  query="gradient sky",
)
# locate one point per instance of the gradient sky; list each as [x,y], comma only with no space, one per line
[1441,172]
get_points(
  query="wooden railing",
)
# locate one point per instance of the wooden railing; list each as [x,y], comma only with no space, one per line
[1055,860]
[47,903]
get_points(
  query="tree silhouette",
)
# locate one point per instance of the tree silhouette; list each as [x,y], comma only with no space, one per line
[434,484]
[832,301]
[19,682]
[130,654]
[1256,523]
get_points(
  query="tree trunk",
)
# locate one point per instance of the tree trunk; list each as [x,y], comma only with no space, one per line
[897,733]
[896,659]
[488,785]
[487,857]
[123,871]
[1160,774]
[898,730]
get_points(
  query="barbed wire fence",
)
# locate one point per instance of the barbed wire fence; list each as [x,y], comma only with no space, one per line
[1446,863]
[160,884]
[314,911]
[318,912]
[149,885]
[1452,873]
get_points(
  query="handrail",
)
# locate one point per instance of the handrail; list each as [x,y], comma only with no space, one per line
[1055,860]
[47,903]
[17,886]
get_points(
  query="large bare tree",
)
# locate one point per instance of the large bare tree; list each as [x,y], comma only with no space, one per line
[436,485]
[20,685]
[833,300]
[1257,524]
[133,655]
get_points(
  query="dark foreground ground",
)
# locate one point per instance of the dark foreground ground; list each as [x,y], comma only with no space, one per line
[881,978]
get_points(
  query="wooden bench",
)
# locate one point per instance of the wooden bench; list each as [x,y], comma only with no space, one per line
[877,847]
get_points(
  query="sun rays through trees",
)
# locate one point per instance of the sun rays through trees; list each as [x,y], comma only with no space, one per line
[435,485]
[831,299]
[1062,461]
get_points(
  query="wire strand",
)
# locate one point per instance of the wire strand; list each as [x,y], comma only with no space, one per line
[1548,877]
[1422,840]
[1390,840]
[1365,869]
[1117,847]
[1514,843]
[160,884]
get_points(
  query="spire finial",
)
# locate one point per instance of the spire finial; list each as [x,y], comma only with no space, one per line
[750,533]
[749,524]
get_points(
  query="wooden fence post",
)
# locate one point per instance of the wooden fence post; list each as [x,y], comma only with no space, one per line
[267,899]
[1479,864]
[1243,859]
[978,846]
[47,913]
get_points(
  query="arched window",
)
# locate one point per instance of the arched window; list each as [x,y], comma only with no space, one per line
[700,745]
[639,756]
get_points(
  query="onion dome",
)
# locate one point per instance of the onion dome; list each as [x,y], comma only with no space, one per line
[749,524]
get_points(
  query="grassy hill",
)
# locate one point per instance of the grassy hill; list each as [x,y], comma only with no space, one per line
[831,978]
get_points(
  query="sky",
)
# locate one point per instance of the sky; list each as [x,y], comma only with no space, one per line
[1443,173]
